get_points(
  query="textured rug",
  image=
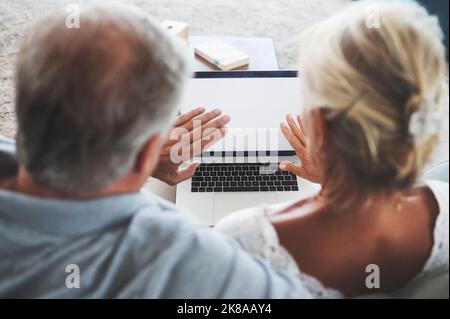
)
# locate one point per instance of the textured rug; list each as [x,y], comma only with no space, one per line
[282,20]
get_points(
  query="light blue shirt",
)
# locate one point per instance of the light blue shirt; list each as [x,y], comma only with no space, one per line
[127,246]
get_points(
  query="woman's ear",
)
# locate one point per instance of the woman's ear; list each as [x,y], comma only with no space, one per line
[148,157]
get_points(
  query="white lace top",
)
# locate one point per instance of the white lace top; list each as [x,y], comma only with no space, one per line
[255,233]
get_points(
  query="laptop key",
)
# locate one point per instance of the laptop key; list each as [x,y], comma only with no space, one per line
[241,189]
[217,189]
[279,189]
[194,190]
[209,189]
[272,189]
[264,189]
[202,189]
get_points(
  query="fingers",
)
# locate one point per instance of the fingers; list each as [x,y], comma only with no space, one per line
[186,118]
[185,125]
[186,173]
[210,138]
[217,124]
[293,140]
[199,138]
[301,124]
[202,119]
[292,168]
[296,130]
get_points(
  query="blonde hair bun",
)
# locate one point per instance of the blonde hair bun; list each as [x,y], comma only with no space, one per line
[390,55]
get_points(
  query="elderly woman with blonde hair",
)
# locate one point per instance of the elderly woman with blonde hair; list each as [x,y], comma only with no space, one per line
[374,93]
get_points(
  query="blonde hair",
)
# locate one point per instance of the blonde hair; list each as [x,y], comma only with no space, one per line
[368,78]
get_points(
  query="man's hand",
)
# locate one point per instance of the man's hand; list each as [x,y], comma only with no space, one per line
[296,136]
[209,128]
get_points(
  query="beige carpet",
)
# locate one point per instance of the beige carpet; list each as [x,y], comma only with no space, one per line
[282,20]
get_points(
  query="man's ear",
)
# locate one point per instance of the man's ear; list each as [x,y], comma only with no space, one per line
[148,157]
[320,128]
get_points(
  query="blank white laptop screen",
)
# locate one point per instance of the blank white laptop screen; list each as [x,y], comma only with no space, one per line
[256,106]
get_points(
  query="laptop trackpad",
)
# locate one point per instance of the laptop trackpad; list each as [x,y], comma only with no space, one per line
[226,203]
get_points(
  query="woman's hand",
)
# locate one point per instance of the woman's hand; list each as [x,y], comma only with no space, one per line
[296,136]
[201,130]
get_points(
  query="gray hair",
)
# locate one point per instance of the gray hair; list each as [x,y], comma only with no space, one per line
[87,99]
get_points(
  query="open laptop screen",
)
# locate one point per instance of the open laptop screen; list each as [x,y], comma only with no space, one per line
[257,103]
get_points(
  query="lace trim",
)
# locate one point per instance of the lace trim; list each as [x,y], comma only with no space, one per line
[440,252]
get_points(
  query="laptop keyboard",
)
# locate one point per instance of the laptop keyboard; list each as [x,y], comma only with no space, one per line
[242,177]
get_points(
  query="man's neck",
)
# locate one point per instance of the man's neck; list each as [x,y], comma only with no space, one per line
[23,183]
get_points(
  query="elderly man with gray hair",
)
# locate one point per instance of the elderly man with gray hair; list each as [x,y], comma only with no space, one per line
[94,106]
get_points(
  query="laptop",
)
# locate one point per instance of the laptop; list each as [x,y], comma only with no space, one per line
[242,171]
